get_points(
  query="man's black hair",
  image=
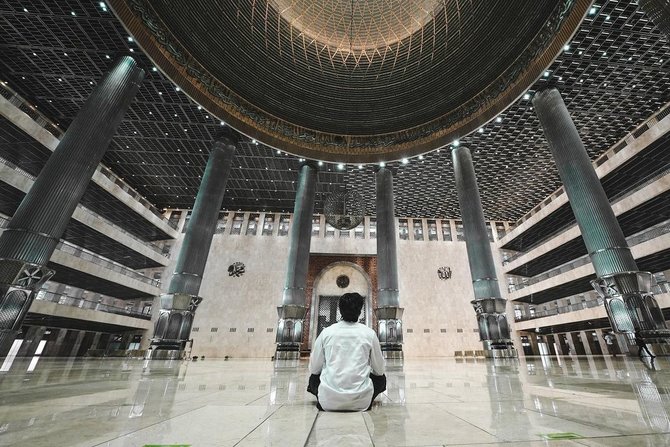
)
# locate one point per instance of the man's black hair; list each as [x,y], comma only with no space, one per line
[350,305]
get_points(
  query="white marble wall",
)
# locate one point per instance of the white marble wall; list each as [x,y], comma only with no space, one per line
[250,301]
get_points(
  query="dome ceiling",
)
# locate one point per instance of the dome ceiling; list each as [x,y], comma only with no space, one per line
[353,81]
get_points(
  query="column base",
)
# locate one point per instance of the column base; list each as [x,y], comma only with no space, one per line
[287,356]
[20,282]
[505,353]
[631,305]
[499,349]
[164,354]
[7,337]
[656,336]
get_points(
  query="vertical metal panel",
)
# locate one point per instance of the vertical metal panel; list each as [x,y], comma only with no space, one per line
[41,218]
[300,237]
[387,260]
[601,231]
[202,225]
[480,258]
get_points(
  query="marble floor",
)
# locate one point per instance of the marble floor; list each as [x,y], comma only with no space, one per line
[542,401]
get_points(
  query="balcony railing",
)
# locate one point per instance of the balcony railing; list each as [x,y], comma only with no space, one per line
[660,288]
[153,246]
[104,262]
[82,253]
[56,131]
[636,133]
[614,200]
[636,239]
[82,303]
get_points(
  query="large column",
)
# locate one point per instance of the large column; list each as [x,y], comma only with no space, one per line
[388,311]
[489,304]
[177,307]
[629,302]
[659,13]
[40,220]
[292,310]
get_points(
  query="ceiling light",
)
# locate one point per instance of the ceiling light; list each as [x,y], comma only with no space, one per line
[526,96]
[592,11]
[566,47]
[73,13]
[320,163]
[130,39]
[107,56]
[360,166]
[382,164]
[480,130]
[455,143]
[340,166]
[546,74]
[498,119]
[25,10]
[420,157]
[154,69]
[405,161]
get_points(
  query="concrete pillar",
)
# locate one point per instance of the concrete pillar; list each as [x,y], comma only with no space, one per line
[77,344]
[178,305]
[40,220]
[489,304]
[31,340]
[585,338]
[532,339]
[571,344]
[292,311]
[558,344]
[627,293]
[604,347]
[388,311]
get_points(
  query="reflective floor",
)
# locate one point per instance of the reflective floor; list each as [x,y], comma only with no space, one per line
[430,402]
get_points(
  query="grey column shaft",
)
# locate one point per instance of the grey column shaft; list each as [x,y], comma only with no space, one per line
[602,234]
[300,237]
[202,225]
[659,13]
[387,262]
[40,220]
[482,267]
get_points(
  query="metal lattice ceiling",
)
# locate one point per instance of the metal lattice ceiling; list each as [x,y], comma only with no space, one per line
[353,81]
[613,75]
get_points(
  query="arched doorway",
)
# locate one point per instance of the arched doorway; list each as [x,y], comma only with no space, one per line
[331,282]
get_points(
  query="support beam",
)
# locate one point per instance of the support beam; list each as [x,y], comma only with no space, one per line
[388,311]
[40,220]
[293,308]
[489,304]
[178,305]
[627,293]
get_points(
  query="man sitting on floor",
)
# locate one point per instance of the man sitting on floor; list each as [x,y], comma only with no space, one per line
[346,364]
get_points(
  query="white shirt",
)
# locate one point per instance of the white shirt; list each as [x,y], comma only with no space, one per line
[344,355]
